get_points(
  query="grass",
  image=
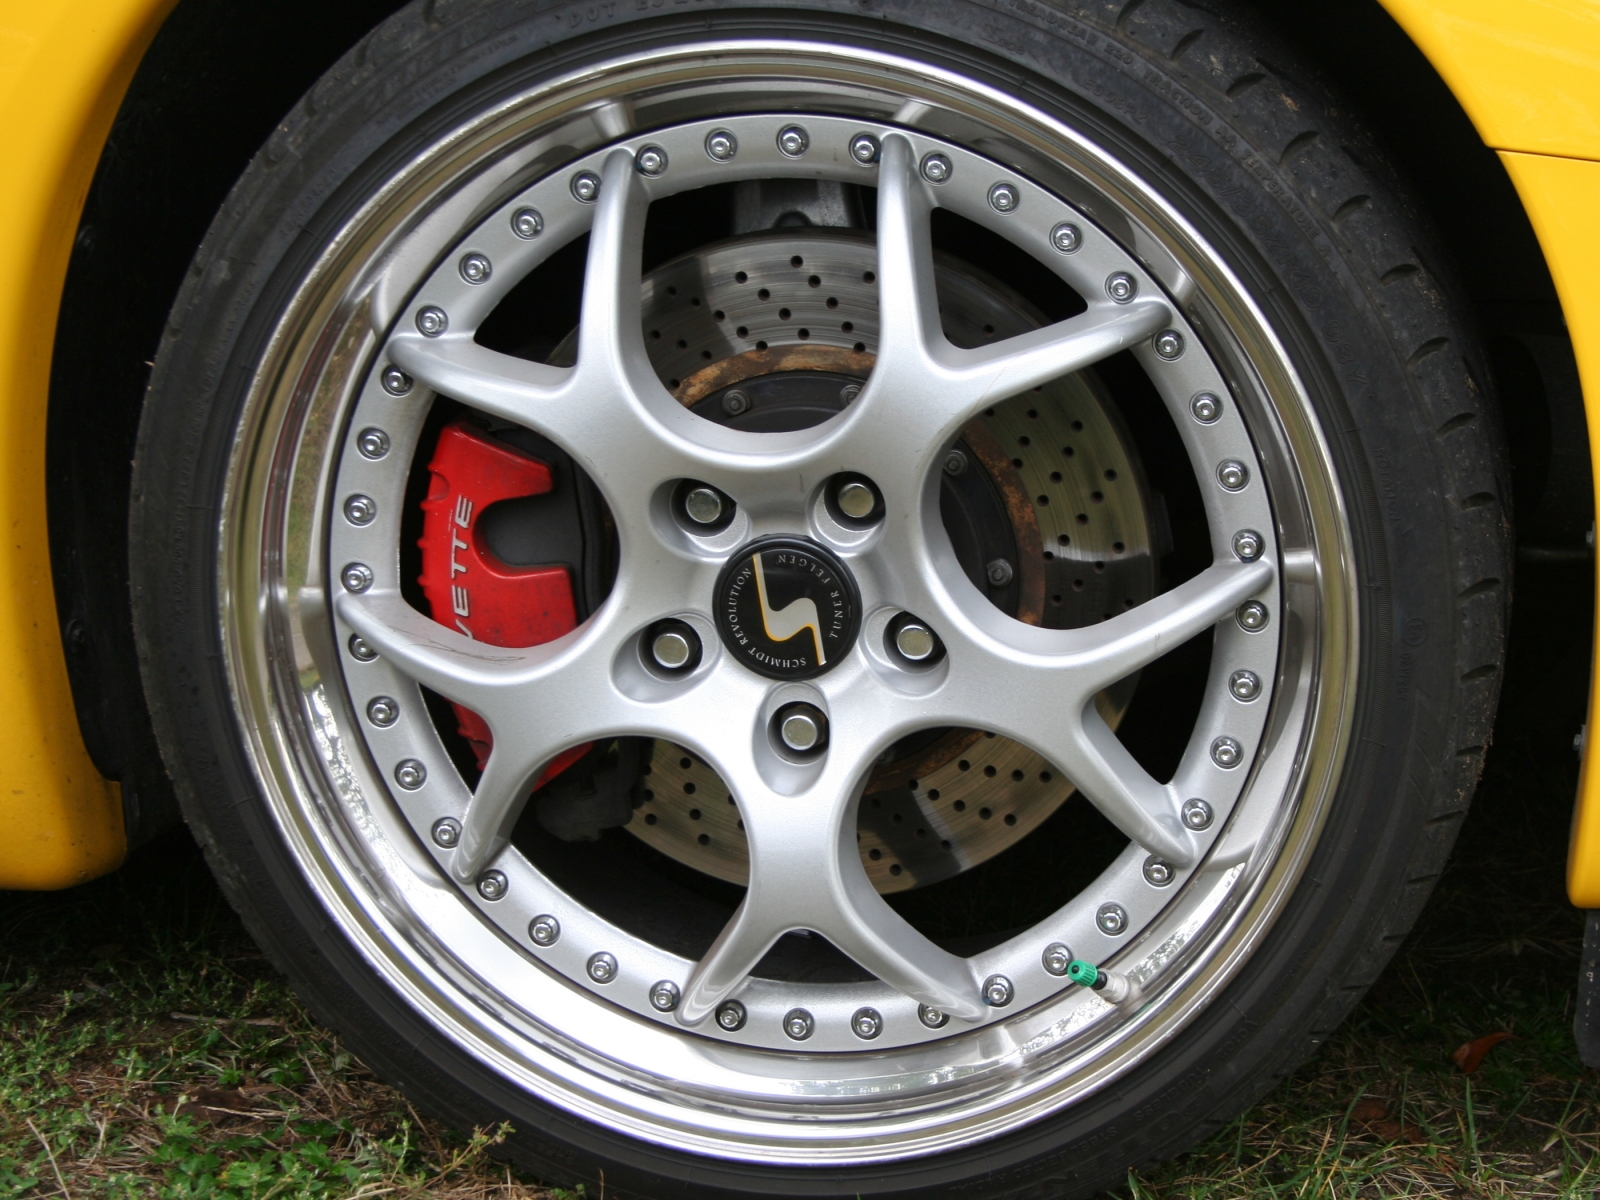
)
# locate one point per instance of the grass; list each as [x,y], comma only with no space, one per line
[147,1049]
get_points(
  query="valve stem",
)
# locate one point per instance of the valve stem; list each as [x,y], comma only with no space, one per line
[1113,986]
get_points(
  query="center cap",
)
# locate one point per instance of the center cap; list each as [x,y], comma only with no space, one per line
[786,608]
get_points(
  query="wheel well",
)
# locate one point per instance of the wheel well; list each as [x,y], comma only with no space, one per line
[222,72]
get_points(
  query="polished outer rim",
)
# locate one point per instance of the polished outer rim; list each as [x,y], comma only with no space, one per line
[387,892]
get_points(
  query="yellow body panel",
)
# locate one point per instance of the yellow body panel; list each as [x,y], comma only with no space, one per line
[63,70]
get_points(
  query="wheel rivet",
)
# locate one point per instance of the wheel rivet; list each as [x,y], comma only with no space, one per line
[999,572]
[1169,344]
[1066,237]
[1233,475]
[359,510]
[703,504]
[1245,685]
[651,161]
[936,168]
[802,728]
[585,187]
[1004,197]
[1056,959]
[544,930]
[410,774]
[476,268]
[867,1023]
[383,711]
[731,1015]
[997,991]
[527,223]
[664,996]
[1226,752]
[793,141]
[955,463]
[357,577]
[446,832]
[1206,408]
[1247,544]
[721,145]
[797,1022]
[359,650]
[395,381]
[857,499]
[492,885]
[673,647]
[932,1017]
[864,149]
[915,641]
[1157,873]
[1111,918]
[1197,814]
[735,402]
[373,443]
[431,321]
[1122,287]
[602,967]
[1252,616]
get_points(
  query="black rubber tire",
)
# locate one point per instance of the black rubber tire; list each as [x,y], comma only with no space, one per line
[1271,169]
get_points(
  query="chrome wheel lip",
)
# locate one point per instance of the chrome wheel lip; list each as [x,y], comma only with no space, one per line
[987,1081]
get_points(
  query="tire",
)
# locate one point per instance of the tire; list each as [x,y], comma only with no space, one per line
[1275,352]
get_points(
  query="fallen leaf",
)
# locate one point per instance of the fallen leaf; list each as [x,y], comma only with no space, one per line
[1374,1114]
[1469,1055]
[1369,1110]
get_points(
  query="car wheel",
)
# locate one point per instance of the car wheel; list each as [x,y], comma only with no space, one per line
[822,599]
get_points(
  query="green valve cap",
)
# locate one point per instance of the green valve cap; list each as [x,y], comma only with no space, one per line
[1083,974]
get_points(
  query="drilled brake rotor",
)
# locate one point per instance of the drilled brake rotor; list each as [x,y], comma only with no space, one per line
[766,305]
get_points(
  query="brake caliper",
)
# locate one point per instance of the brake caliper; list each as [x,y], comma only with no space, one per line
[465,584]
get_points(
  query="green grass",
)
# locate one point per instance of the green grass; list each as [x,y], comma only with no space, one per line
[147,1049]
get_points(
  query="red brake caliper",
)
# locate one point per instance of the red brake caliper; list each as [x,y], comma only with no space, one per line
[467,586]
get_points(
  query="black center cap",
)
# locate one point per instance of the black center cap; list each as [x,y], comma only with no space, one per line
[787,608]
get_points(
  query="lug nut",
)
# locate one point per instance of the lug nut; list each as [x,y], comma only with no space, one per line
[793,141]
[1056,959]
[936,168]
[1169,344]
[1197,814]
[1066,237]
[359,510]
[527,223]
[1244,685]
[1206,408]
[857,499]
[735,402]
[1226,752]
[731,1016]
[373,443]
[721,145]
[395,381]
[674,646]
[651,161]
[1004,197]
[1121,287]
[802,728]
[544,930]
[915,640]
[359,650]
[932,1017]
[492,885]
[1156,872]
[703,504]
[602,967]
[585,187]
[431,321]
[867,1023]
[357,577]
[383,712]
[446,832]
[476,268]
[1233,475]
[955,463]
[849,392]
[1248,545]
[410,774]
[864,149]
[1111,918]
[997,991]
[999,572]
[1252,616]
[797,1022]
[664,996]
